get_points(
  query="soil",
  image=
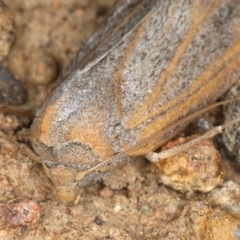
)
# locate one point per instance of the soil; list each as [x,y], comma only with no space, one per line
[132,202]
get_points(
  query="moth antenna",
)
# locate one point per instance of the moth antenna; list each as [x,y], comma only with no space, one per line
[122,156]
[24,114]
[156,157]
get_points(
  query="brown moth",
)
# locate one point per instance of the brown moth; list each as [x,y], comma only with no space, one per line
[150,64]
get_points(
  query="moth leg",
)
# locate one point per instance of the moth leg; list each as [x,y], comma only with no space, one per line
[78,196]
[156,157]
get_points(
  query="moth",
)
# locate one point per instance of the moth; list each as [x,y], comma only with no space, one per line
[149,65]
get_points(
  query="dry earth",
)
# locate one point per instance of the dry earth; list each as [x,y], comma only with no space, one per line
[132,203]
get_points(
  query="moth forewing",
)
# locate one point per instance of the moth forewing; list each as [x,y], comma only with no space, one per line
[154,63]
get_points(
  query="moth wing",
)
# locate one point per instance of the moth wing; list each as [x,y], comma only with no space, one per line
[113,30]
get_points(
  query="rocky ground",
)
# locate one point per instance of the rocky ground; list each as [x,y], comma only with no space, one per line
[38,39]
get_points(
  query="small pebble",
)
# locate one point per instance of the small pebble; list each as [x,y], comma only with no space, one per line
[21,213]
[199,169]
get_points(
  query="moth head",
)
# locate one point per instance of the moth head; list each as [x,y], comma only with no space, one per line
[68,181]
[65,181]
[67,164]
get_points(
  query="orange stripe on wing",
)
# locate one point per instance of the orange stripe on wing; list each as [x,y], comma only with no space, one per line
[203,83]
[118,74]
[199,16]
[210,82]
[116,29]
